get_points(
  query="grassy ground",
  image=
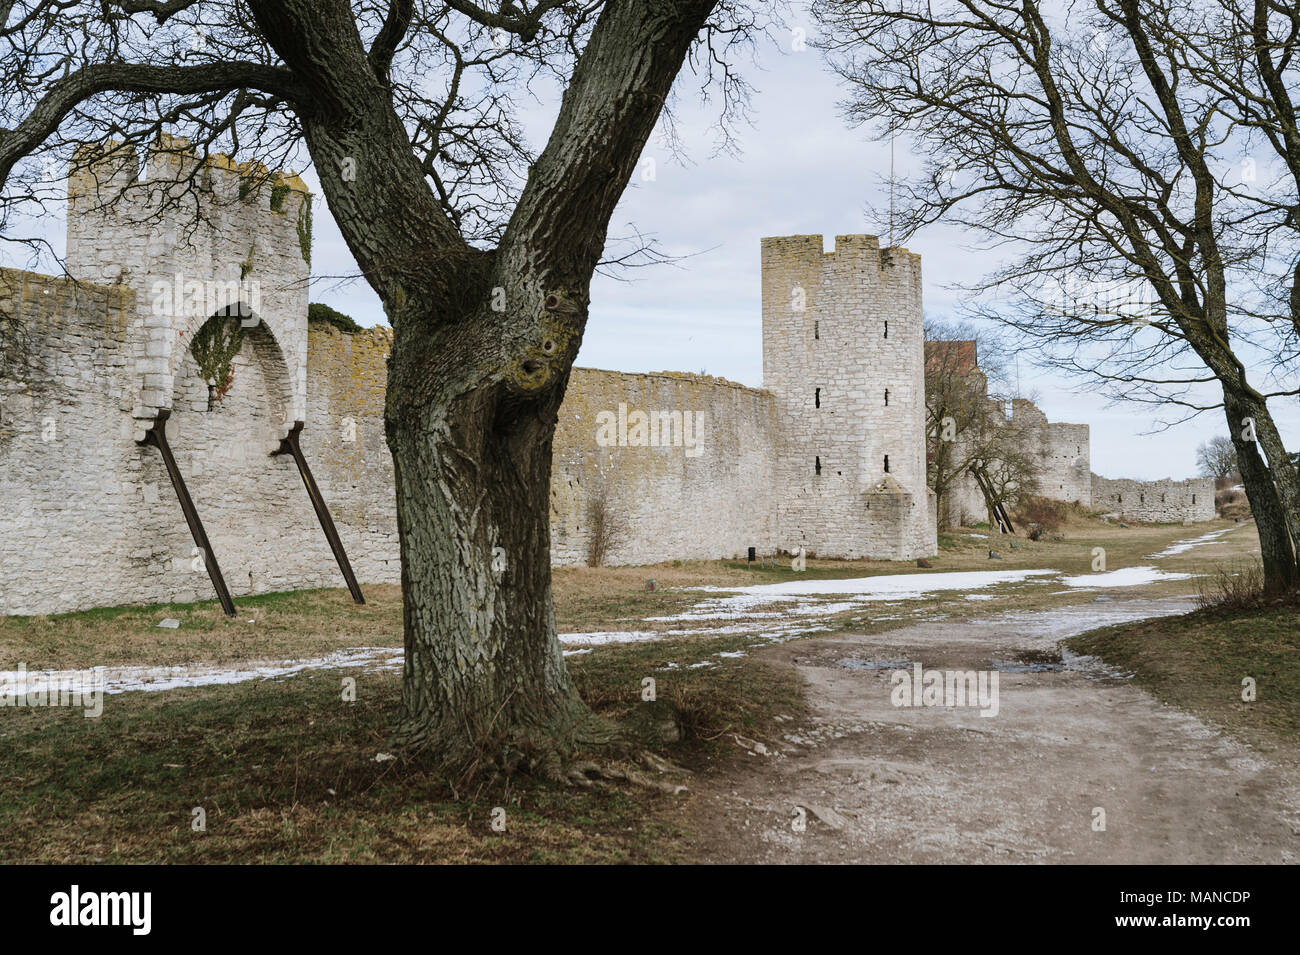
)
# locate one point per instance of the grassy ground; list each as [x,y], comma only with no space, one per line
[268,626]
[286,771]
[1197,662]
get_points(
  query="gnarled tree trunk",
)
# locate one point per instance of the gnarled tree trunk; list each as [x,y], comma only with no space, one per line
[1277,550]
[471,442]
[482,349]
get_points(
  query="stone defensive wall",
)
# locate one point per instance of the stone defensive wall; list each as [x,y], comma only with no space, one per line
[1159,502]
[1063,451]
[167,407]
[90,516]
[681,465]
[673,466]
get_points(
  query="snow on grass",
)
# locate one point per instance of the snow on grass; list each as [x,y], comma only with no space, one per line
[600,638]
[745,601]
[1126,577]
[126,679]
[1178,547]
[769,613]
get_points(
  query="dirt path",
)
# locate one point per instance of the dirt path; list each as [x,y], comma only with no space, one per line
[882,783]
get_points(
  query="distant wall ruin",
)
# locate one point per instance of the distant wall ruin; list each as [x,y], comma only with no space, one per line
[1159,502]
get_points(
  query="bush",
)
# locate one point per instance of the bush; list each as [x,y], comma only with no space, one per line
[1237,586]
[320,312]
[1041,515]
[1232,504]
[604,530]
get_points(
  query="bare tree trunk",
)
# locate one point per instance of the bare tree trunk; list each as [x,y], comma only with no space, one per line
[482,350]
[1277,552]
[485,680]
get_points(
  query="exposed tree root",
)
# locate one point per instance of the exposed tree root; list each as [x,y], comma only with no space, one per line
[592,774]
[584,750]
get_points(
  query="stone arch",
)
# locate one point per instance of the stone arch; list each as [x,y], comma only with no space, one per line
[226,452]
[260,388]
[178,312]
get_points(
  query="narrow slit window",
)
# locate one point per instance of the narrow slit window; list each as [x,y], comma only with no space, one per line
[886,464]
[886,397]
[817,329]
[817,464]
[886,328]
[817,398]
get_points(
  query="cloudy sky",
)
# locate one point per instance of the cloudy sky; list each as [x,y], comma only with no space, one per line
[800,169]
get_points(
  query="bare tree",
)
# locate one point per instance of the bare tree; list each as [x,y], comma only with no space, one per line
[966,391]
[1217,458]
[481,252]
[1107,143]
[971,436]
[1010,469]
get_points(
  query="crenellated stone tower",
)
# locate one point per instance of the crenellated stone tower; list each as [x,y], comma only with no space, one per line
[195,236]
[843,354]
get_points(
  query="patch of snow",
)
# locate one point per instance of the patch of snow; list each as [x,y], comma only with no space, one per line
[744,600]
[610,636]
[1126,577]
[1178,547]
[149,679]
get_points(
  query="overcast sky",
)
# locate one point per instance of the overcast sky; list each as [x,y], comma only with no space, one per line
[800,169]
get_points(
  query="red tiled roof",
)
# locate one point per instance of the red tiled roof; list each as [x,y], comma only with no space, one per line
[956,357]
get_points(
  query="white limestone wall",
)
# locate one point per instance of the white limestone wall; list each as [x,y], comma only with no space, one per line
[1161,502]
[843,355]
[90,517]
[664,501]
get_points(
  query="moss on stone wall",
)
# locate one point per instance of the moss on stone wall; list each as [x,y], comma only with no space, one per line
[214,348]
[304,229]
[320,312]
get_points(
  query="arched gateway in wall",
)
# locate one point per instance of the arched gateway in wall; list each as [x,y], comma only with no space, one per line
[220,340]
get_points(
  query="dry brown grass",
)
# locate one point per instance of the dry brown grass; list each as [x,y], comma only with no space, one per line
[268,626]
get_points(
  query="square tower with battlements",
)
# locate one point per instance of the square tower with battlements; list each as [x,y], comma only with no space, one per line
[196,236]
[843,354]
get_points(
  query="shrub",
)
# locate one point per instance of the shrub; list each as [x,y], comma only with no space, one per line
[1230,503]
[320,312]
[603,529]
[1041,515]
[1237,586]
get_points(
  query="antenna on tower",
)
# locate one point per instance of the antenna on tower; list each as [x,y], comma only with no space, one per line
[891,190]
